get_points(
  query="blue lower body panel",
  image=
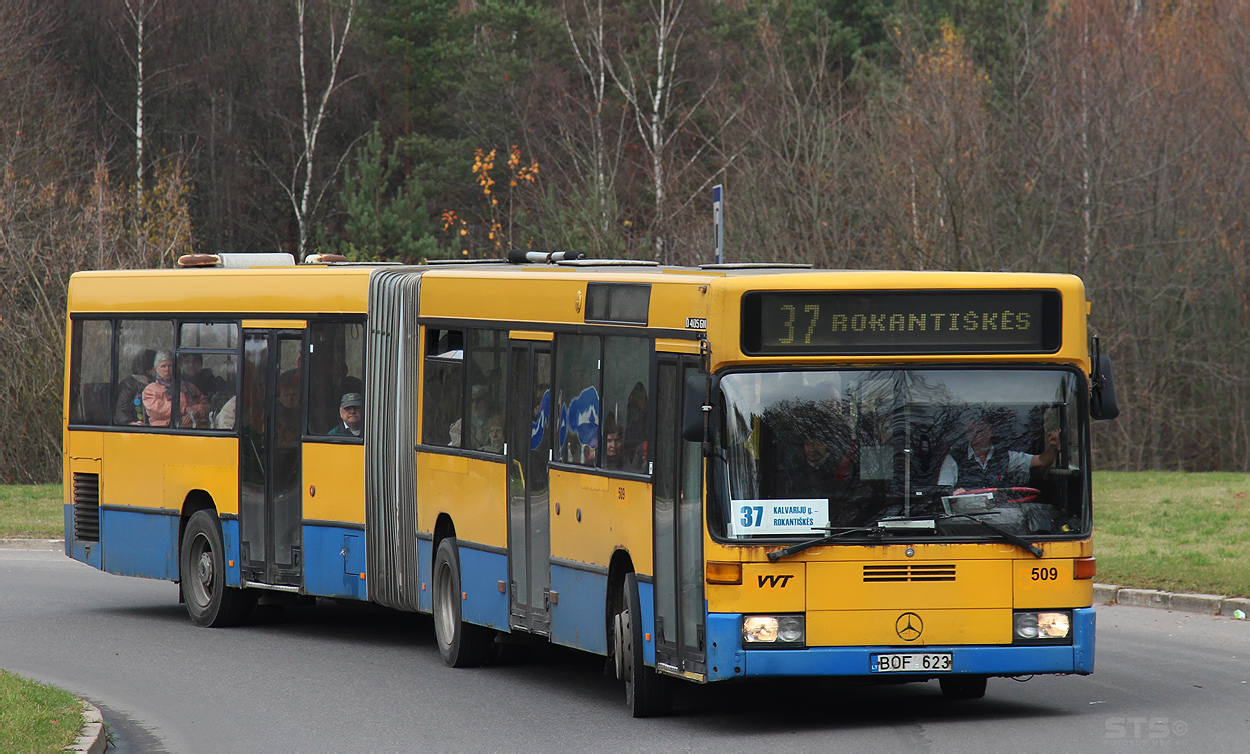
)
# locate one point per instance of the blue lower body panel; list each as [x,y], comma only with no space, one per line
[480,574]
[727,659]
[139,543]
[425,557]
[646,596]
[230,538]
[577,620]
[334,561]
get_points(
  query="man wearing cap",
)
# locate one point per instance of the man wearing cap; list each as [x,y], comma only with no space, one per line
[352,412]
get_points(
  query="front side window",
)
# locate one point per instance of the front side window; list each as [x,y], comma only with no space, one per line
[207,374]
[626,431]
[918,453]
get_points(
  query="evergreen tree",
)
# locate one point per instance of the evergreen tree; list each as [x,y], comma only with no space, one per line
[385,212]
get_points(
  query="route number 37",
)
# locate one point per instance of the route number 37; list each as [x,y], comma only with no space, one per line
[752,515]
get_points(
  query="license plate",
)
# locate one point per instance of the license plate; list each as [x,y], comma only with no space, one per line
[915,662]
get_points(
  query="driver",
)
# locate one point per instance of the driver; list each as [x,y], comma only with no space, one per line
[982,463]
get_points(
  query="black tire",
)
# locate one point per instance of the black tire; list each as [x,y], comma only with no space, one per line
[962,686]
[202,576]
[647,693]
[462,645]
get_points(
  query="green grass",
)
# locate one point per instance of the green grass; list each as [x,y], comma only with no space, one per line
[33,511]
[1173,530]
[35,717]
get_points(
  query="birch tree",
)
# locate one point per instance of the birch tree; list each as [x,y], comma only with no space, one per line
[597,153]
[302,189]
[647,78]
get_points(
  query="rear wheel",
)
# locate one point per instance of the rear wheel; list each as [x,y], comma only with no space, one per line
[202,565]
[962,686]
[647,693]
[461,644]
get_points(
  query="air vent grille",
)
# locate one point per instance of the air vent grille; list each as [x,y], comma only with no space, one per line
[910,572]
[87,507]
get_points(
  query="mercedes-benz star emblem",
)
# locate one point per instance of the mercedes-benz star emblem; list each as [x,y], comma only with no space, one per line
[909,626]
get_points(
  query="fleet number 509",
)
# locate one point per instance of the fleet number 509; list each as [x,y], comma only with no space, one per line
[1045,574]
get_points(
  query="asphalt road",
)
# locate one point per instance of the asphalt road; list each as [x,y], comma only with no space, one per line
[340,677]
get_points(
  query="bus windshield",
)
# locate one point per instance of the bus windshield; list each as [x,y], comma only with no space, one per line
[925,453]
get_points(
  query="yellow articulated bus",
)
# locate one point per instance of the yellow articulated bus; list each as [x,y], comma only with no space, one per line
[710,474]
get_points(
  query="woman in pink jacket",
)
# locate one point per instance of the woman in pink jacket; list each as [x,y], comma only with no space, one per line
[158,397]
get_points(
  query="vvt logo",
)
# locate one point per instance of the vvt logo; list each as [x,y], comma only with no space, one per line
[772,579]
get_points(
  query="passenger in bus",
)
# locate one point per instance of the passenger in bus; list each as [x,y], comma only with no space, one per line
[341,383]
[613,445]
[224,418]
[191,366]
[158,397]
[480,412]
[494,435]
[982,462]
[636,423]
[128,407]
[352,413]
[286,419]
[615,453]
[817,472]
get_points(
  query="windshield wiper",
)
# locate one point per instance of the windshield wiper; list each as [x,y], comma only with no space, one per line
[784,552]
[1007,536]
[901,524]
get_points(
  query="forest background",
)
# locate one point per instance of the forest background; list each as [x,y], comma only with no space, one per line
[1109,140]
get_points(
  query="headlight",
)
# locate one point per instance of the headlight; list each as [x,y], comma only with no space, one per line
[1042,626]
[773,630]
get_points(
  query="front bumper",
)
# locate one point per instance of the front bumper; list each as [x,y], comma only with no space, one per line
[726,659]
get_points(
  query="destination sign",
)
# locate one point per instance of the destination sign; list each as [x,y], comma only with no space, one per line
[900,322]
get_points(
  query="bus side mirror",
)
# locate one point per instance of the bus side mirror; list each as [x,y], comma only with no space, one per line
[1102,399]
[699,390]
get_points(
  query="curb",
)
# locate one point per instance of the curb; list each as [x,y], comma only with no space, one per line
[1206,604]
[92,739]
[49,545]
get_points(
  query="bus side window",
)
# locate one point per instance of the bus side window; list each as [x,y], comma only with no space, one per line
[486,366]
[625,402]
[336,369]
[444,388]
[90,384]
[577,398]
[138,342]
[208,373]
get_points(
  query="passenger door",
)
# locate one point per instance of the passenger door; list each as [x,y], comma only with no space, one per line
[270,503]
[680,616]
[529,443]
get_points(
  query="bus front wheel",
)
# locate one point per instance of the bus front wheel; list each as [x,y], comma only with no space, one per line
[647,693]
[461,644]
[202,575]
